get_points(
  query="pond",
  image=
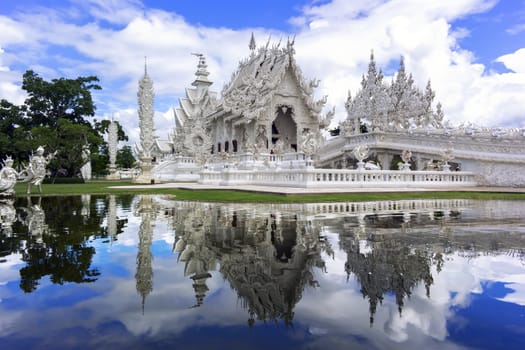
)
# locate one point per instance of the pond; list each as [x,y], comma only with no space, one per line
[140,272]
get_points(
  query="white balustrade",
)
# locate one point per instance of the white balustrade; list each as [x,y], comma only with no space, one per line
[337,178]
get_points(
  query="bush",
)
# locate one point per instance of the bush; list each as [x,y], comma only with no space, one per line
[63,180]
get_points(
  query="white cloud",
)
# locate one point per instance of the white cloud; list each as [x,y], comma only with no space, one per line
[333,43]
[514,61]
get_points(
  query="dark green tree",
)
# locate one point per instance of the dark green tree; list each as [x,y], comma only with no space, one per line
[59,99]
[12,130]
[125,158]
[56,115]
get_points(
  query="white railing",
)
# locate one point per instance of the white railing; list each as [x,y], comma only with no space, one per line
[337,178]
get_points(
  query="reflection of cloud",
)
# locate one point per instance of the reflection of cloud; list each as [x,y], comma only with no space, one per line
[9,268]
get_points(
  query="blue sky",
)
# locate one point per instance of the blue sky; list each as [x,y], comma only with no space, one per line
[473,51]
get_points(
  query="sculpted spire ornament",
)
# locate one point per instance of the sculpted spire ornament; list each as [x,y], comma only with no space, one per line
[201,75]
[145,97]
[252,45]
[395,107]
[112,147]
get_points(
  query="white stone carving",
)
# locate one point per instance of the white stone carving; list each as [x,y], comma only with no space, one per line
[35,172]
[8,177]
[406,156]
[398,106]
[360,153]
[85,170]
[112,149]
[145,96]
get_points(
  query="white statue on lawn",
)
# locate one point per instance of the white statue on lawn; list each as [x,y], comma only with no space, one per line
[8,177]
[85,170]
[36,170]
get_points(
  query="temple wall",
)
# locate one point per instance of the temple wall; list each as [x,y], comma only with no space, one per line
[495,173]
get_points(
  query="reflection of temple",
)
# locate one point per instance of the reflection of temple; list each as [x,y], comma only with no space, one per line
[267,251]
[267,258]
[389,267]
[144,273]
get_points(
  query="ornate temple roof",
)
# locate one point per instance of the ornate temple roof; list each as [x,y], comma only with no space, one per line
[258,78]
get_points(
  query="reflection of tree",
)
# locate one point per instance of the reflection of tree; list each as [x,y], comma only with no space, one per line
[267,259]
[52,233]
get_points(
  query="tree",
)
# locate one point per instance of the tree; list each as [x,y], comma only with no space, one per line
[125,158]
[59,99]
[12,130]
[55,115]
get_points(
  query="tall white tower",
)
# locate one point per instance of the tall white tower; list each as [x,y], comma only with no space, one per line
[145,97]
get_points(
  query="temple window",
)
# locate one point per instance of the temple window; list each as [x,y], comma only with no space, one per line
[234,145]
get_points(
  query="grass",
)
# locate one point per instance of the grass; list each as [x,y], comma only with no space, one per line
[102,187]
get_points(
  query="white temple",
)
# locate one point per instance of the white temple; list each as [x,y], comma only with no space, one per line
[265,128]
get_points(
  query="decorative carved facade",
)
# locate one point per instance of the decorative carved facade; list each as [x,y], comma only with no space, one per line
[267,116]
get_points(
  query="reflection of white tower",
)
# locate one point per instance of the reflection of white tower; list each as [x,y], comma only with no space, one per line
[86,203]
[112,149]
[112,217]
[144,273]
[145,97]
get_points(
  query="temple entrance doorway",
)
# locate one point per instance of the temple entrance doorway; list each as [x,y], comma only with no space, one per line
[284,128]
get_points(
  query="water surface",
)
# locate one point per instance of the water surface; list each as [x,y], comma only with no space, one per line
[124,272]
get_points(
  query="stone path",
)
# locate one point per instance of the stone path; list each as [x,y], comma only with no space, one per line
[298,191]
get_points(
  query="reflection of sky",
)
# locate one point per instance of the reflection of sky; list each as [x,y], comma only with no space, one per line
[473,302]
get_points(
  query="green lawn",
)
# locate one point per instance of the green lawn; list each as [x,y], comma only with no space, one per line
[102,187]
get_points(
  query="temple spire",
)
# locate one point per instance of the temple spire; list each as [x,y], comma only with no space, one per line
[145,65]
[252,45]
[201,75]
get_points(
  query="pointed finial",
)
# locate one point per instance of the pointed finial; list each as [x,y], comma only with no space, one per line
[372,55]
[145,65]
[252,45]
[402,63]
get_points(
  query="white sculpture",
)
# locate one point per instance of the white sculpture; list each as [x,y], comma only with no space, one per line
[406,156]
[8,177]
[36,170]
[446,156]
[398,106]
[85,170]
[145,97]
[310,143]
[371,165]
[360,153]
[112,149]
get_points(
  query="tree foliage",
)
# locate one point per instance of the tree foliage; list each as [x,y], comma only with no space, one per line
[55,115]
[125,158]
[59,99]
